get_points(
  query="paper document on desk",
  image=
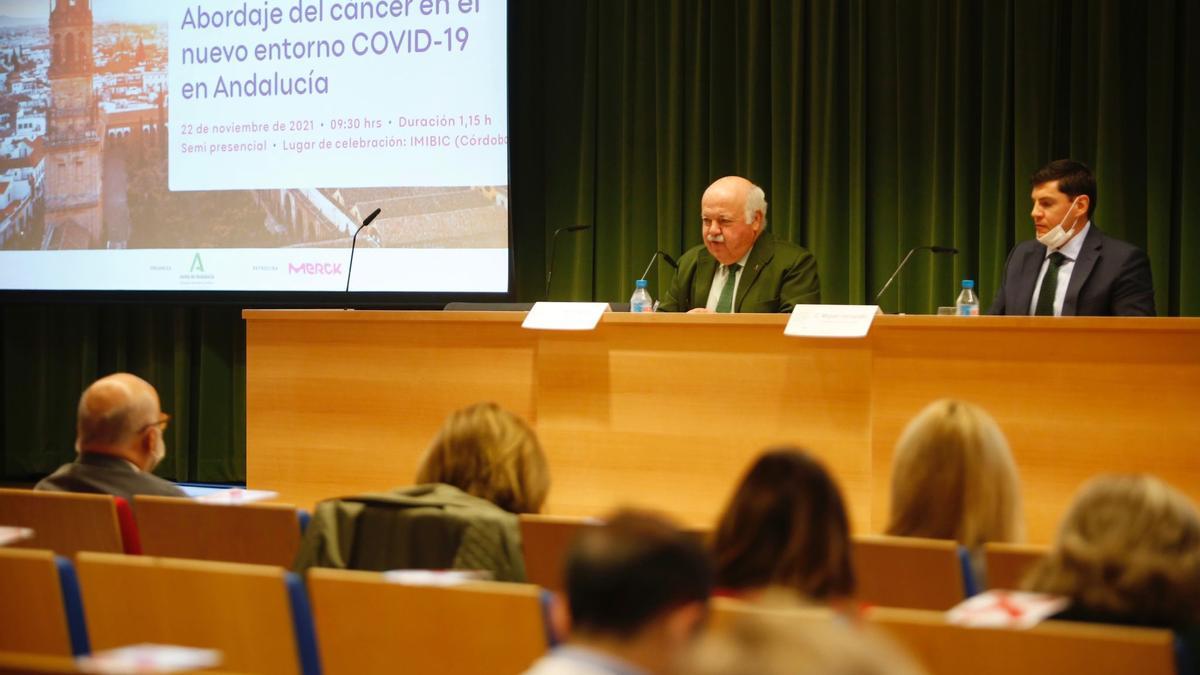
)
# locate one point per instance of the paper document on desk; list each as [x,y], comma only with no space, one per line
[11,535]
[149,658]
[237,496]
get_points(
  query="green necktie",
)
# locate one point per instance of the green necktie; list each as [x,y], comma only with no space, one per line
[725,302]
[1045,303]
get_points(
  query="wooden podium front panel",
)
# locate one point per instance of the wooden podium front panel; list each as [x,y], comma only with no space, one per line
[1076,397]
[667,412]
[343,402]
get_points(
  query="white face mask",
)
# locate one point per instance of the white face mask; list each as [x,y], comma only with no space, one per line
[160,452]
[1056,237]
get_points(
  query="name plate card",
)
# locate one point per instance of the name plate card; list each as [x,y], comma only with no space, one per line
[565,315]
[831,321]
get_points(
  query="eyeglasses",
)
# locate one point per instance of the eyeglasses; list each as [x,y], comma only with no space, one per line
[166,418]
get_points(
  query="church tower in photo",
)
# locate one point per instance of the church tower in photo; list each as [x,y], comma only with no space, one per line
[74,133]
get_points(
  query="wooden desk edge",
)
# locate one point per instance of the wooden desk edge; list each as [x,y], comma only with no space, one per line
[883,322]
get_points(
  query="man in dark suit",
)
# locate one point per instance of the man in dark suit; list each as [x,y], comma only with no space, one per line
[1072,269]
[737,269]
[119,441]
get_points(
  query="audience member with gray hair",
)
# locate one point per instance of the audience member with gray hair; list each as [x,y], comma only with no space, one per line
[119,441]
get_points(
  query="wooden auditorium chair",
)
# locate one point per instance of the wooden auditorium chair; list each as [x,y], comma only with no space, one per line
[1050,648]
[545,540]
[911,572]
[544,543]
[67,522]
[1007,564]
[261,534]
[367,625]
[40,612]
[725,612]
[256,615]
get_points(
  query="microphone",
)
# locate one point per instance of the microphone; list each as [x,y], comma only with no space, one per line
[554,245]
[354,242]
[935,249]
[664,256]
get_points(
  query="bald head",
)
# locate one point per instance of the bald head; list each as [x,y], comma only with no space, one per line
[733,214]
[114,413]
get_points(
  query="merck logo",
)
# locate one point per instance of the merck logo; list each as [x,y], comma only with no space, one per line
[316,269]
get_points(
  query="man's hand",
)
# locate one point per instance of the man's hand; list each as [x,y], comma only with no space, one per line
[699,310]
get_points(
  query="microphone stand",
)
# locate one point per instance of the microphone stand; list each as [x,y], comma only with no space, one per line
[354,242]
[554,246]
[936,249]
[664,256]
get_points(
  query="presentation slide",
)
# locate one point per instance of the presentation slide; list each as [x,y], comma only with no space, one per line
[220,145]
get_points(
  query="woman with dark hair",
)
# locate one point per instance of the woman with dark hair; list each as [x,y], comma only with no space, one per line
[785,526]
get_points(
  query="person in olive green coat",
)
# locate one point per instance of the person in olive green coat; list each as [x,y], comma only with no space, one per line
[737,269]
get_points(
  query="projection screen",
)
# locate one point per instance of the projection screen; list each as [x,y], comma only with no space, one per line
[237,146]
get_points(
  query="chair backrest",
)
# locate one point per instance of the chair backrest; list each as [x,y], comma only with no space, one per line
[908,572]
[63,522]
[368,625]
[39,604]
[544,542]
[256,615]
[25,663]
[1008,563]
[263,534]
[1051,648]
[725,612]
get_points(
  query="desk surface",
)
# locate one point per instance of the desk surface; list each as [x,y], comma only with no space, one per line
[667,410]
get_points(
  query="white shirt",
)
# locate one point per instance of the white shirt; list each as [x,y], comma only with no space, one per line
[1071,251]
[714,293]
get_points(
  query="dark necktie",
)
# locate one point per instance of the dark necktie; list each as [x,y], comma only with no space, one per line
[1045,303]
[725,302]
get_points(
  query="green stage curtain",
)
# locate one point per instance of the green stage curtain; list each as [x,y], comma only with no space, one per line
[194,356]
[873,125]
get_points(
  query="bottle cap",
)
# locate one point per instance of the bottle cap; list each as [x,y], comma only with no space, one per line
[968,283]
[640,283]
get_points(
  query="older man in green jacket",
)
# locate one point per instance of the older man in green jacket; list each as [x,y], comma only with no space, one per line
[737,269]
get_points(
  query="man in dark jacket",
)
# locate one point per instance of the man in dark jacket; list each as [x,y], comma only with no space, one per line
[738,268]
[1072,268]
[119,441]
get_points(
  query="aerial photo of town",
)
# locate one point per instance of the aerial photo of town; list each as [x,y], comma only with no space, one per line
[84,134]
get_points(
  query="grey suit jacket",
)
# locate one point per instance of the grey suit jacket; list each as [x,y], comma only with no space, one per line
[104,474]
[1111,278]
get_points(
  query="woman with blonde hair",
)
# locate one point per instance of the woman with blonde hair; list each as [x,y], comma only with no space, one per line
[489,453]
[1127,552]
[953,477]
[484,466]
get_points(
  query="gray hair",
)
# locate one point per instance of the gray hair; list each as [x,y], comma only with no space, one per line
[756,200]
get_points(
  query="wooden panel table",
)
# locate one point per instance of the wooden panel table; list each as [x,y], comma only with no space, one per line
[667,410]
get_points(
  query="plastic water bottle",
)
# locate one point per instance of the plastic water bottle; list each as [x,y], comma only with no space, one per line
[968,302]
[641,300]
